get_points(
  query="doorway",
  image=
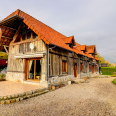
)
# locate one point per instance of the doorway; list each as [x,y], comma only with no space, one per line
[93,69]
[33,69]
[75,70]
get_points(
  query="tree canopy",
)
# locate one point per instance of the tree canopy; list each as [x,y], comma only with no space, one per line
[101,58]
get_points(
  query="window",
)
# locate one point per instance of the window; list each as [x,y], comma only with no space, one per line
[28,34]
[64,66]
[33,69]
[89,67]
[96,67]
[35,35]
[23,35]
[81,67]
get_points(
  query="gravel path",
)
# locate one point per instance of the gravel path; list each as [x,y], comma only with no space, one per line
[96,98]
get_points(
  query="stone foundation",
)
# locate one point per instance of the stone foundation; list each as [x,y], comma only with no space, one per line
[20,77]
[95,74]
[89,74]
[15,77]
[84,74]
[56,79]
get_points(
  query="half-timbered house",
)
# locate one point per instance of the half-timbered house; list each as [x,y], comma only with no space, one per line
[39,54]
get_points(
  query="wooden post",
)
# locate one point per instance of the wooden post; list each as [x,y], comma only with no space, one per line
[6,50]
[0,35]
[31,35]
[21,38]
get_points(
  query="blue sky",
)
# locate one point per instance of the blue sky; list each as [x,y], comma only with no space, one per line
[90,21]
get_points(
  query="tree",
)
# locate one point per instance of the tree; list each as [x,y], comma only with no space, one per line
[101,58]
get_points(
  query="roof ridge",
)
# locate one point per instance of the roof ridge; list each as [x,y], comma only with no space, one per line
[41,22]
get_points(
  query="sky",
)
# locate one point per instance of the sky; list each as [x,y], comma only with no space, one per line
[91,22]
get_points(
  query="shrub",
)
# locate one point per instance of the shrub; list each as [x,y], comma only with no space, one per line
[114,81]
[107,70]
[2,77]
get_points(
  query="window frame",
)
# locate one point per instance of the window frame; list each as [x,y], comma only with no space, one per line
[64,66]
[81,66]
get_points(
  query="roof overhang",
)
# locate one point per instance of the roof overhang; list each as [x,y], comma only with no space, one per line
[3,22]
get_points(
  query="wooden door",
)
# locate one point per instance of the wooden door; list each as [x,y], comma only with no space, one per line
[75,70]
[93,69]
[33,69]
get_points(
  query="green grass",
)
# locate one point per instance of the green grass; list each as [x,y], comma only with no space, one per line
[114,81]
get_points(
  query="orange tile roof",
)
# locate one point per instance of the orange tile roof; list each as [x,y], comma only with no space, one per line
[82,47]
[78,51]
[46,33]
[88,55]
[77,44]
[97,58]
[68,39]
[90,49]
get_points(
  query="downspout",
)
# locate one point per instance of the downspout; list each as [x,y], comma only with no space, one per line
[47,62]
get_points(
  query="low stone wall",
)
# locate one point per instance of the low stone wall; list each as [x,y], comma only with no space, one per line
[82,74]
[21,96]
[20,77]
[15,77]
[88,74]
[95,74]
[58,79]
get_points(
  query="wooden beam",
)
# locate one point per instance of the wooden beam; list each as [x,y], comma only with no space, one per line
[16,34]
[6,37]
[5,45]
[8,27]
[25,41]
[0,36]
[31,35]
[6,50]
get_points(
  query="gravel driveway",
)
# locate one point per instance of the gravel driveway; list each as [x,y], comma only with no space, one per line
[96,98]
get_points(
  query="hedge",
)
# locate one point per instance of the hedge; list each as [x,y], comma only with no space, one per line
[107,70]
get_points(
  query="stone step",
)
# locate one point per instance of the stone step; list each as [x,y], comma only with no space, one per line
[22,96]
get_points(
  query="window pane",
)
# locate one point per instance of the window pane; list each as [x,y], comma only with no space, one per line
[64,66]
[29,35]
[35,35]
[38,70]
[23,35]
[31,69]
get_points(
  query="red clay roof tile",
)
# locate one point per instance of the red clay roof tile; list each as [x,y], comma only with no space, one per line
[68,40]
[82,47]
[90,49]
[88,55]
[46,33]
